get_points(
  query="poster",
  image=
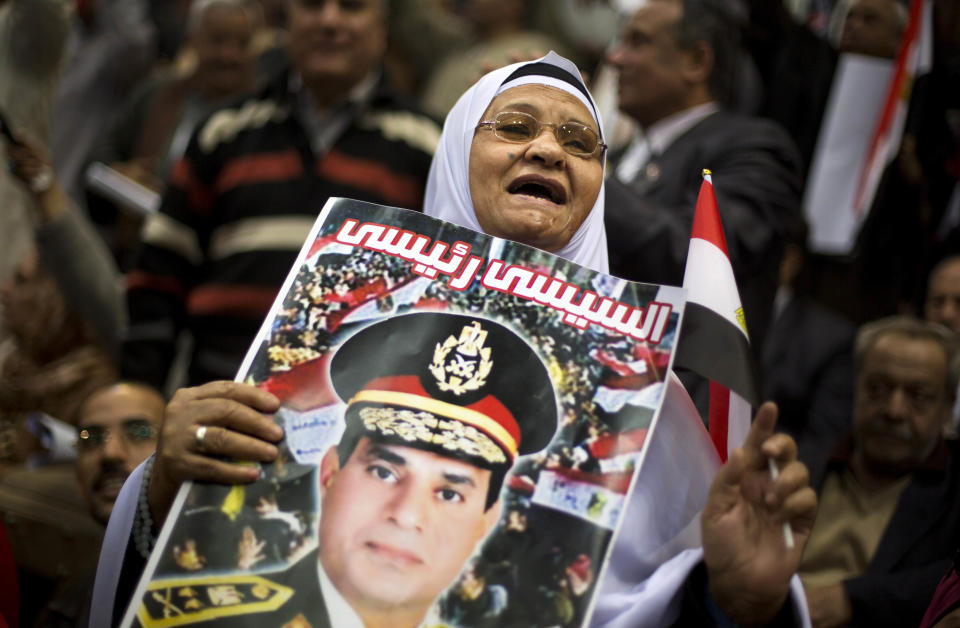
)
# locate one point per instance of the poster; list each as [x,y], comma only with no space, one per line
[463,417]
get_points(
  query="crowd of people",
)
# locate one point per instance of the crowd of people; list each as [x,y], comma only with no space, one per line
[166,160]
[551,579]
[323,294]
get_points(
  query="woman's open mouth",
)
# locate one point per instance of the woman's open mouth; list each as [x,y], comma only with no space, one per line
[538,187]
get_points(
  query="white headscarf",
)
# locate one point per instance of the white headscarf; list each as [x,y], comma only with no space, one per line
[448,186]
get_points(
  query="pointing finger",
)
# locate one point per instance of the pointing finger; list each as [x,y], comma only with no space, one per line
[762,427]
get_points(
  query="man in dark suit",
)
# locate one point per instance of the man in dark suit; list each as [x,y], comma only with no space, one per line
[889,519]
[807,358]
[677,63]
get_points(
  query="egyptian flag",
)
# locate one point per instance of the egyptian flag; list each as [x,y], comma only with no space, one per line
[861,134]
[714,341]
[915,58]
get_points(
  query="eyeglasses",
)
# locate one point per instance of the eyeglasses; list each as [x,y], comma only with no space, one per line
[516,126]
[133,431]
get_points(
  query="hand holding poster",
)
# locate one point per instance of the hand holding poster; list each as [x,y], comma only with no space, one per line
[460,458]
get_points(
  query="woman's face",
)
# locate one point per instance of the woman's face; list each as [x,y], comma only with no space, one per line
[534,192]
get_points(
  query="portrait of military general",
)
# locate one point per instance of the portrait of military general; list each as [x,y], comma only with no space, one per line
[437,408]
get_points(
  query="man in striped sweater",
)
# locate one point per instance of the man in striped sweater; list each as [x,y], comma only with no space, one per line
[240,202]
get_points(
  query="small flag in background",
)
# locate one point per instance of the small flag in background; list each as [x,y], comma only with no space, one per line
[861,134]
[915,58]
[714,341]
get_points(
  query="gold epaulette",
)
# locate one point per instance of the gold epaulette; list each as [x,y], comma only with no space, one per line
[185,601]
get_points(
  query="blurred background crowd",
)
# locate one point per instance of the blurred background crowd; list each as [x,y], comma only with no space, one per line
[165,159]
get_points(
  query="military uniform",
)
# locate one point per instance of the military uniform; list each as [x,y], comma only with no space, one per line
[287,599]
[445,383]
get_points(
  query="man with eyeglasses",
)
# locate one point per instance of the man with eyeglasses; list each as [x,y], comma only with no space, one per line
[116,431]
[117,428]
[889,519]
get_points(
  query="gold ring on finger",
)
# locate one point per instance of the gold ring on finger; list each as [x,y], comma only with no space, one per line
[200,435]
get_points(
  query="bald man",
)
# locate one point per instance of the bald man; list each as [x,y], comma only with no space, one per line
[874,28]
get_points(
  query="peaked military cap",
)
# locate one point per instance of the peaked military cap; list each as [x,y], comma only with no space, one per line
[447,383]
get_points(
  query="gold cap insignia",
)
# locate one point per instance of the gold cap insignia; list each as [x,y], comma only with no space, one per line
[423,427]
[469,364]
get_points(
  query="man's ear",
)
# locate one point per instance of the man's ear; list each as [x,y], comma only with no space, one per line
[698,62]
[491,516]
[329,467]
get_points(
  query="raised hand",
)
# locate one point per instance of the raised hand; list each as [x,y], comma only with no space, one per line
[249,549]
[30,163]
[748,563]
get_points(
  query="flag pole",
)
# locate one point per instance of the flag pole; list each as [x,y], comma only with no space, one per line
[787,530]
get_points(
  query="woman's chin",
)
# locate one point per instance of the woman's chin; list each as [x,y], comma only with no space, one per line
[541,234]
[543,225]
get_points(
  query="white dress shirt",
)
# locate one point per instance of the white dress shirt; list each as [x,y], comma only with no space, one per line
[659,137]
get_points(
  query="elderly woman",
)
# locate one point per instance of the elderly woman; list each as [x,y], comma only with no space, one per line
[521,157]
[496,171]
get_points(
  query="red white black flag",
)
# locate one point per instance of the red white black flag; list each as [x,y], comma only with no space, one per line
[714,341]
[915,58]
[861,134]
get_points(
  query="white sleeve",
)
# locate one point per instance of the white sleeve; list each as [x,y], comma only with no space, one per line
[658,543]
[654,602]
[114,548]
